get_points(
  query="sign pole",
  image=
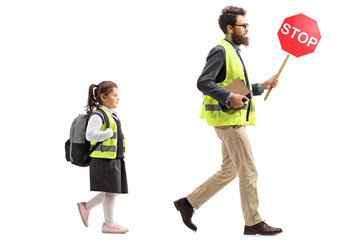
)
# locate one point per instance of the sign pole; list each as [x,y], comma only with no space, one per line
[277,75]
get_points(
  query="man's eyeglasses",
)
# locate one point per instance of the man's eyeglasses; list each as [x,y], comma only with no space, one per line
[245,25]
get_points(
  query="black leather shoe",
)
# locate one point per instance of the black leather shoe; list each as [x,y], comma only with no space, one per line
[261,228]
[186,213]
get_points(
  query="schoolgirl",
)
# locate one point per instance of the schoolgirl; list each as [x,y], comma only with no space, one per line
[107,166]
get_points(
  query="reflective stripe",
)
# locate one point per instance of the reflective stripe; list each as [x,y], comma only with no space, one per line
[104,148]
[211,107]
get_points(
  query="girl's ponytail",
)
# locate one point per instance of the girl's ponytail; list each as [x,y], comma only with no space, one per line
[92,101]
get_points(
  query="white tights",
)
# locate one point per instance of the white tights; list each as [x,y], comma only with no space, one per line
[108,201]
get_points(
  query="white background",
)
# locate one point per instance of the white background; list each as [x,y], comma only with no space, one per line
[305,142]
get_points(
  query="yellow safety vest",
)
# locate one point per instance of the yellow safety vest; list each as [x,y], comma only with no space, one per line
[211,110]
[108,148]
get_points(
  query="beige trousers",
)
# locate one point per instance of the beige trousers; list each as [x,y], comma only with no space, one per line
[237,161]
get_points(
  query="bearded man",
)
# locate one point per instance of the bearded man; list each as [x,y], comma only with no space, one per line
[223,65]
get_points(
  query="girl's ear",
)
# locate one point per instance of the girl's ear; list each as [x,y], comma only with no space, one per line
[102,97]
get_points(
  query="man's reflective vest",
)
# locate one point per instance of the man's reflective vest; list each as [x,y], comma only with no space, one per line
[211,110]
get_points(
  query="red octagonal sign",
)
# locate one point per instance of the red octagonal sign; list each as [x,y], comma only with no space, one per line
[299,35]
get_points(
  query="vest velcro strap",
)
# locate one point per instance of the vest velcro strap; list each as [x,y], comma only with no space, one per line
[104,148]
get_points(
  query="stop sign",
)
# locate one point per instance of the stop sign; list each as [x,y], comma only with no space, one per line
[299,35]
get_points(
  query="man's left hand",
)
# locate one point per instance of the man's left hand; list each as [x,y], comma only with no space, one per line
[271,82]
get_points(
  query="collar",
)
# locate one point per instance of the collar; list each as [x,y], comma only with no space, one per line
[108,110]
[236,48]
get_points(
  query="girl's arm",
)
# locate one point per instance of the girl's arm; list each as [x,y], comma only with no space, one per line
[93,133]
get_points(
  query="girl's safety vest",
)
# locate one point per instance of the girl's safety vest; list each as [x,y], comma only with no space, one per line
[211,110]
[108,148]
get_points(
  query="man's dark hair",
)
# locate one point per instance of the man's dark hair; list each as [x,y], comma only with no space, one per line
[228,16]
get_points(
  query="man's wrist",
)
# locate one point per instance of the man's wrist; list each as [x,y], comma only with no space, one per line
[261,88]
[228,98]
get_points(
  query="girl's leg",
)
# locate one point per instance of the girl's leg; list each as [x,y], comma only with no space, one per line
[108,205]
[85,207]
[97,200]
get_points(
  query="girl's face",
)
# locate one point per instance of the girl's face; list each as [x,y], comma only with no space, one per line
[112,99]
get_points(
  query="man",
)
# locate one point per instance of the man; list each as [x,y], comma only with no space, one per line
[224,65]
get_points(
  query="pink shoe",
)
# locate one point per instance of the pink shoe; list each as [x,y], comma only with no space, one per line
[84,213]
[114,228]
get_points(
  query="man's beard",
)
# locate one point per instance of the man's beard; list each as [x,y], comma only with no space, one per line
[242,40]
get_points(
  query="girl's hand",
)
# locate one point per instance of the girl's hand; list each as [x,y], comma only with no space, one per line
[109,132]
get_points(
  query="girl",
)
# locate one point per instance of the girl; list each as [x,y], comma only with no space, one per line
[107,166]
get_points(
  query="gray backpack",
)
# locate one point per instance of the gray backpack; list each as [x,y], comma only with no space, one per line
[77,148]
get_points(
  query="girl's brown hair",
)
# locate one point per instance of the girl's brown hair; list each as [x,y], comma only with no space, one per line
[94,100]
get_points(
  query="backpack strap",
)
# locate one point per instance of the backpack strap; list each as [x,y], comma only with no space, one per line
[105,118]
[100,115]
[93,148]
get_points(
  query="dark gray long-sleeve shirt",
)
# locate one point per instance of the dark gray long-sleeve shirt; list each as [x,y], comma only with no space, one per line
[215,72]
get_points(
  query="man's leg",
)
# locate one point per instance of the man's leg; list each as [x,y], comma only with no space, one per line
[237,142]
[215,183]
[206,190]
[238,145]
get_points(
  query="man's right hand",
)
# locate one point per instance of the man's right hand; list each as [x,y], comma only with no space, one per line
[236,100]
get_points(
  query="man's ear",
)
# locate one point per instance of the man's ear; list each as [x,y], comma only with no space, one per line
[230,29]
